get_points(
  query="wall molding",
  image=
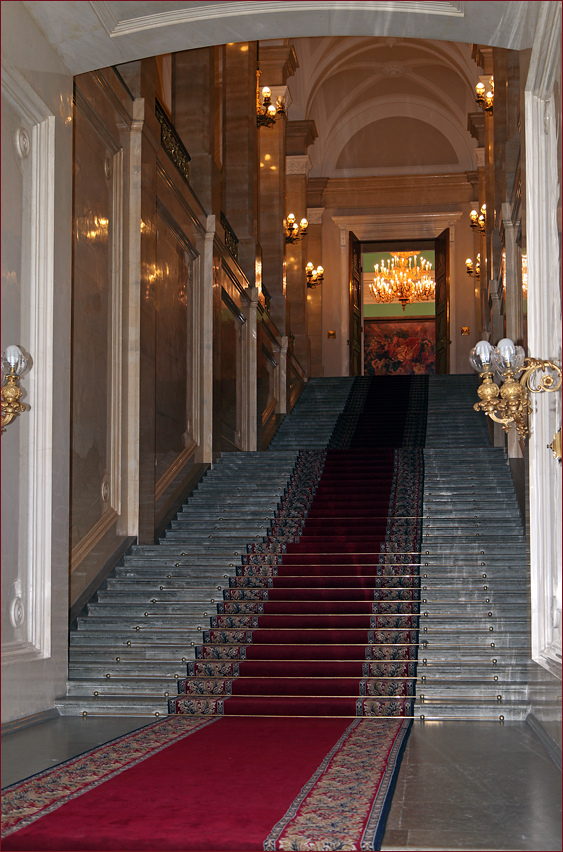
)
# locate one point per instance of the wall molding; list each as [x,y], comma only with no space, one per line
[174,469]
[544,338]
[28,721]
[36,473]
[548,743]
[92,537]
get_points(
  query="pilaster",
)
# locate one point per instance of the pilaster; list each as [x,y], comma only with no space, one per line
[300,135]
[193,82]
[240,152]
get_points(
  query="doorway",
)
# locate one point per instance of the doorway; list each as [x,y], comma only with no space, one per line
[388,337]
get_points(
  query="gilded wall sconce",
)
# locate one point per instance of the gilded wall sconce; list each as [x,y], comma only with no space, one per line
[509,404]
[266,112]
[485,96]
[294,231]
[315,277]
[472,268]
[14,365]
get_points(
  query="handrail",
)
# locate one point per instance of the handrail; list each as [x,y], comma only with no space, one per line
[231,239]
[172,143]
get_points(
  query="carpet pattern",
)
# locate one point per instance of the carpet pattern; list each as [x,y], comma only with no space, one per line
[330,789]
[345,801]
[290,724]
[27,801]
[323,615]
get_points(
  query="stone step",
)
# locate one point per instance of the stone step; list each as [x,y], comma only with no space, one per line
[133,669]
[462,708]
[159,687]
[122,705]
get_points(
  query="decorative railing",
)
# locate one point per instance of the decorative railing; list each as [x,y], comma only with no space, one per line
[172,143]
[296,378]
[267,299]
[231,239]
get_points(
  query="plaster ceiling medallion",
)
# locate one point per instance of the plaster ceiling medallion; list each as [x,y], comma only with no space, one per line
[393,69]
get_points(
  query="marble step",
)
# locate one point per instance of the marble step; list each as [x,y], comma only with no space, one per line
[118,705]
[167,609]
[114,643]
[98,669]
[137,651]
[463,708]
[143,683]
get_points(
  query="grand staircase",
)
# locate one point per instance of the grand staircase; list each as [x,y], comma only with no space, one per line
[132,644]
[475,595]
[135,647]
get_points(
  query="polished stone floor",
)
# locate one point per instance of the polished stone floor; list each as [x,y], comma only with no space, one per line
[462,785]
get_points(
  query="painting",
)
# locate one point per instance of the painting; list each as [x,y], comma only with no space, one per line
[399,347]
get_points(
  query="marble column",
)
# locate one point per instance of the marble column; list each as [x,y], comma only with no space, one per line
[300,135]
[140,77]
[277,63]
[315,295]
[194,117]
[240,152]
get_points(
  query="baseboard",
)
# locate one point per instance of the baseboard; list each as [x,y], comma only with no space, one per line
[28,721]
[548,743]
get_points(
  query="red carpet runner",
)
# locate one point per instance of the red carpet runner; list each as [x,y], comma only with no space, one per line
[318,628]
[214,785]
[327,627]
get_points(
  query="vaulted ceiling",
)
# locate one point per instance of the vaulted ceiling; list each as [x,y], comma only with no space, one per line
[385,105]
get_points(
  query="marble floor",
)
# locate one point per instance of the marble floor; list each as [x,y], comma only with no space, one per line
[461,786]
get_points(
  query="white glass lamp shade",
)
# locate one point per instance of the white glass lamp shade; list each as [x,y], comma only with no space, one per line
[13,361]
[507,356]
[480,356]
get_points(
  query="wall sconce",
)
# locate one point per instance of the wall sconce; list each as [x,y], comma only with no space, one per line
[266,113]
[293,231]
[315,277]
[485,97]
[470,269]
[510,403]
[14,365]
[479,219]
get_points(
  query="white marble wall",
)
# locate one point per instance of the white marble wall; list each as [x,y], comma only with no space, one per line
[36,252]
[543,215]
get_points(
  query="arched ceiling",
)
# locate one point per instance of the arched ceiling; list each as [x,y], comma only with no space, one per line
[90,35]
[385,105]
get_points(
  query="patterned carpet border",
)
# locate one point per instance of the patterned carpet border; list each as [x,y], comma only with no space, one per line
[344,804]
[28,800]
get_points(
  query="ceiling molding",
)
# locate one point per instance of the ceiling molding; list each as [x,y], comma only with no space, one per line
[98,33]
[211,11]
[394,225]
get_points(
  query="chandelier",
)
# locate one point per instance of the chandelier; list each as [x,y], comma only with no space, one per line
[405,278]
[517,376]
[478,219]
[293,231]
[485,97]
[266,112]
[315,277]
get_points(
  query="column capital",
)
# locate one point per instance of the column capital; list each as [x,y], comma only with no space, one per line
[278,62]
[479,158]
[300,135]
[476,127]
[300,165]
[315,215]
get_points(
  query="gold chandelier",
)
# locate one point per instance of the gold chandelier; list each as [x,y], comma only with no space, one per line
[509,404]
[266,112]
[405,278]
[485,96]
